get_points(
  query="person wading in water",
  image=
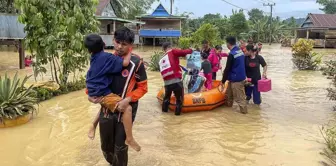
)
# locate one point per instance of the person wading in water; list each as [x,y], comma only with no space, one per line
[234,72]
[253,61]
[130,84]
[172,76]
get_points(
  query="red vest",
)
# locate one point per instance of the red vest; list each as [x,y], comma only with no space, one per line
[170,66]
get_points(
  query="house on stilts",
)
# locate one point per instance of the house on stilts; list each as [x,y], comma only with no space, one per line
[319,27]
[160,26]
[110,22]
[12,33]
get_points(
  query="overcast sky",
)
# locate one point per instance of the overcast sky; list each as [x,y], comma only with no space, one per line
[282,8]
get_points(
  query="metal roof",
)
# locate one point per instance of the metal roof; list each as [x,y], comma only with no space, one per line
[160,12]
[120,20]
[10,28]
[319,21]
[101,6]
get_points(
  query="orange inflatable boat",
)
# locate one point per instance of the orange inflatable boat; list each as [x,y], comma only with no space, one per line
[202,101]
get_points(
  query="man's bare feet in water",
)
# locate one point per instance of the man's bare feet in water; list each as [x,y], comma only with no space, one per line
[92,132]
[133,144]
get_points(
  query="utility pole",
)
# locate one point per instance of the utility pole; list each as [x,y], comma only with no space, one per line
[270,5]
[171,6]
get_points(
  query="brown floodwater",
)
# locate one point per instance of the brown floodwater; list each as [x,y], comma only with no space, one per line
[284,130]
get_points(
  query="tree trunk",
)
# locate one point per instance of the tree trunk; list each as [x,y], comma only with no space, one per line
[8,5]
[51,70]
[57,81]
[64,75]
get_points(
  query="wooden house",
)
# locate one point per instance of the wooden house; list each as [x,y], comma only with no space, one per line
[319,27]
[110,22]
[12,33]
[160,25]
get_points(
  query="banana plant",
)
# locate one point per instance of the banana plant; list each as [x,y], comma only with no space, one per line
[15,99]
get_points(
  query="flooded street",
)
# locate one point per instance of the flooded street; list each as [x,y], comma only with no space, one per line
[283,131]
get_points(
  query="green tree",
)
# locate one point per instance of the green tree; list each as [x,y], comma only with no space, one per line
[55,30]
[255,15]
[260,27]
[238,23]
[184,42]
[211,17]
[329,6]
[131,8]
[291,25]
[138,7]
[220,22]
[206,32]
[195,24]
[186,27]
[7,6]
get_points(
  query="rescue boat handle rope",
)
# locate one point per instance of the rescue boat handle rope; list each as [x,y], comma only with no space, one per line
[221,88]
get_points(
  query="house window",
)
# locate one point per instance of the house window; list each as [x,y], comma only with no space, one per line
[317,35]
[108,28]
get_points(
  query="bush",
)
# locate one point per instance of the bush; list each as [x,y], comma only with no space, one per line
[329,135]
[43,94]
[330,71]
[286,42]
[154,61]
[184,42]
[15,99]
[303,57]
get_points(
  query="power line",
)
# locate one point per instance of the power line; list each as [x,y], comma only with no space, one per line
[234,5]
[270,1]
[262,1]
[266,1]
[241,7]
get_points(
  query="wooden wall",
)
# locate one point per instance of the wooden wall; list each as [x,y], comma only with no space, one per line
[104,25]
[162,24]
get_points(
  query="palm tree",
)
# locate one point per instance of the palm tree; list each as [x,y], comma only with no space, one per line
[277,33]
[130,8]
[120,7]
[260,26]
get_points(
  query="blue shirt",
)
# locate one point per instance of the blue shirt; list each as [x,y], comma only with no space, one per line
[98,77]
[235,66]
[237,72]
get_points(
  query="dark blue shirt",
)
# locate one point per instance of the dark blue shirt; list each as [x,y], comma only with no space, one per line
[102,66]
[235,66]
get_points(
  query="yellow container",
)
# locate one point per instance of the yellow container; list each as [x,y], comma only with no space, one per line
[15,122]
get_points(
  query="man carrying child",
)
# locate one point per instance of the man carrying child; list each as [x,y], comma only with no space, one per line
[125,83]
